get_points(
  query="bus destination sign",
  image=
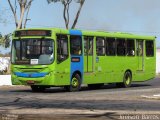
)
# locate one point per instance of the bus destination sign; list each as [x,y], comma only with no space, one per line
[24,33]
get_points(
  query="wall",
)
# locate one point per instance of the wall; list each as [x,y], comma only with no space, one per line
[158,61]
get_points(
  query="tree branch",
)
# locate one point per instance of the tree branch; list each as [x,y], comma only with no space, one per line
[67,11]
[29,4]
[22,11]
[28,8]
[14,13]
[77,15]
[64,15]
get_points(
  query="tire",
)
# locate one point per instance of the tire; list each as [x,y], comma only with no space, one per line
[75,83]
[127,80]
[36,88]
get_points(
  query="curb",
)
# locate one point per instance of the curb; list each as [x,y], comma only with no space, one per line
[157,96]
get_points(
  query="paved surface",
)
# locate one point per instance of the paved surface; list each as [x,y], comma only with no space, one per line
[140,101]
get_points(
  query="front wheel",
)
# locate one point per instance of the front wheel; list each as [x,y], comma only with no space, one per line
[75,83]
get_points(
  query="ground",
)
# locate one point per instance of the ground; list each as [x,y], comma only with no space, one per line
[141,101]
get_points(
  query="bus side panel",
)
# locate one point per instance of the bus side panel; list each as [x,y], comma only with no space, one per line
[62,74]
[117,66]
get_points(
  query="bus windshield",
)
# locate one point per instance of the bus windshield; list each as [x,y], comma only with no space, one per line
[32,51]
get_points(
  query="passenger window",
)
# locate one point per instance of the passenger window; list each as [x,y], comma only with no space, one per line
[76,45]
[130,47]
[110,46]
[62,48]
[121,47]
[149,48]
[88,45]
[139,49]
[100,46]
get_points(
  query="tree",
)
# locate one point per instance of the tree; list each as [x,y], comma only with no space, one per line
[66,4]
[24,6]
[5,40]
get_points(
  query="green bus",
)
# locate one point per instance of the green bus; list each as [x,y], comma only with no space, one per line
[48,57]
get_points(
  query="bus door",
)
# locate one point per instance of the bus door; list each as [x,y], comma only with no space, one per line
[88,54]
[76,52]
[140,54]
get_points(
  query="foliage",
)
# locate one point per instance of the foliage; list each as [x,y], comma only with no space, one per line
[66,4]
[5,40]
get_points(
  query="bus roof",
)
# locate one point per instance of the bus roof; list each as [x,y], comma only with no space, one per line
[97,33]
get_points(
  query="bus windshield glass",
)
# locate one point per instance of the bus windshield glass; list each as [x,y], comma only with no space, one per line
[32,51]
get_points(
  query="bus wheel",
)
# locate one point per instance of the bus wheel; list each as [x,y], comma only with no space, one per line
[127,79]
[36,88]
[75,83]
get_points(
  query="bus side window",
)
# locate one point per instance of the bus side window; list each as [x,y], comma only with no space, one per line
[130,47]
[121,47]
[149,48]
[110,46]
[62,48]
[88,46]
[100,46]
[76,45]
[139,49]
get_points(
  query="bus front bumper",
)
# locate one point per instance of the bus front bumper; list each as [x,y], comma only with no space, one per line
[19,78]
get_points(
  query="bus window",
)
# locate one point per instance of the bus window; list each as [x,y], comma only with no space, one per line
[62,48]
[121,47]
[110,47]
[76,45]
[27,50]
[100,46]
[149,48]
[88,45]
[139,46]
[130,47]
[16,51]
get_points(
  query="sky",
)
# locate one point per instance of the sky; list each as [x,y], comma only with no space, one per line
[129,16]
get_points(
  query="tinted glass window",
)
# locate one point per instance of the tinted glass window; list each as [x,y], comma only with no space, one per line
[100,46]
[130,47]
[32,51]
[139,45]
[110,46]
[62,48]
[76,45]
[121,47]
[88,45]
[149,48]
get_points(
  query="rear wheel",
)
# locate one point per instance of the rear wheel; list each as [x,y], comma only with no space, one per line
[127,80]
[36,88]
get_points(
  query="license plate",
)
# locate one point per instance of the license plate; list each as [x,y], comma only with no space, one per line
[30,82]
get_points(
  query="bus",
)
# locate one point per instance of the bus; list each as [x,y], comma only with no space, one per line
[50,57]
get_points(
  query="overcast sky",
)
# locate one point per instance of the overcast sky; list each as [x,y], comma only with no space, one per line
[133,16]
